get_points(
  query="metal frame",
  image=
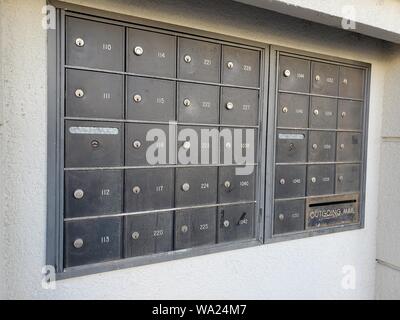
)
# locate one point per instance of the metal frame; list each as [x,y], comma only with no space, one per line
[272,127]
[56,76]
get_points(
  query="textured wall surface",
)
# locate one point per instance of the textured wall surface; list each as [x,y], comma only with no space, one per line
[309,268]
[388,239]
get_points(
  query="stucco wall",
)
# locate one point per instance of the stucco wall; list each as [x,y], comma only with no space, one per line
[309,268]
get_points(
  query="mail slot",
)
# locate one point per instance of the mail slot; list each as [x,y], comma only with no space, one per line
[236,222]
[151,53]
[325,78]
[93,192]
[289,216]
[351,82]
[199,60]
[291,146]
[293,110]
[350,115]
[239,106]
[150,99]
[94,94]
[93,144]
[290,181]
[235,185]
[332,211]
[348,178]
[94,44]
[240,66]
[147,234]
[320,179]
[198,103]
[195,186]
[149,189]
[147,144]
[348,146]
[294,74]
[323,113]
[195,227]
[321,146]
[92,241]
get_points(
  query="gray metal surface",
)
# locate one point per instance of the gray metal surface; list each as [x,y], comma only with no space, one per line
[350,114]
[236,222]
[321,146]
[348,146]
[351,82]
[233,187]
[291,146]
[324,78]
[320,179]
[347,178]
[292,110]
[289,216]
[290,182]
[294,74]
[323,113]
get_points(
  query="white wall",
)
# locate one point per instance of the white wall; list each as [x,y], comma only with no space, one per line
[309,268]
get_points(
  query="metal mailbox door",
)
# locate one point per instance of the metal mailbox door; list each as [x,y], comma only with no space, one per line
[290,181]
[323,113]
[150,99]
[92,193]
[195,186]
[94,94]
[195,227]
[348,146]
[149,233]
[236,222]
[234,187]
[325,78]
[351,82]
[238,145]
[240,67]
[321,146]
[291,146]
[198,103]
[149,189]
[348,178]
[294,74]
[350,115]
[199,60]
[148,144]
[293,110]
[92,241]
[239,106]
[93,144]
[151,53]
[320,179]
[94,44]
[289,216]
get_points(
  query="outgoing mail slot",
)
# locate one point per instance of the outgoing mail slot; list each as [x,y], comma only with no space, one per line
[294,74]
[240,66]
[332,211]
[94,44]
[347,178]
[235,185]
[195,227]
[289,216]
[147,234]
[96,144]
[321,146]
[239,106]
[348,146]
[290,181]
[199,60]
[147,144]
[238,145]
[293,110]
[151,53]
[93,192]
[198,145]
[92,241]
[320,179]
[351,83]
[149,189]
[236,222]
[150,99]
[350,115]
[323,113]
[94,94]
[198,103]
[325,79]
[291,146]
[195,186]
